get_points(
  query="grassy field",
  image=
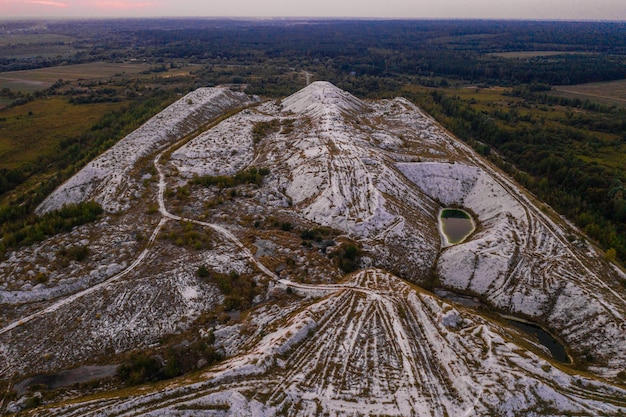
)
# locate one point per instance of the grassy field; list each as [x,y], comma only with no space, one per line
[33,39]
[37,79]
[533,54]
[28,46]
[35,129]
[612,93]
[498,99]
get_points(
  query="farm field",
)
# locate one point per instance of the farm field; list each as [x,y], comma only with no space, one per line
[534,54]
[612,92]
[38,79]
[32,39]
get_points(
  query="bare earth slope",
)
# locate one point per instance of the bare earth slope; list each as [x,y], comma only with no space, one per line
[317,341]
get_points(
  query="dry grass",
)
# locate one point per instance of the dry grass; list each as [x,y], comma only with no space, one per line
[612,92]
[534,54]
[36,128]
[41,78]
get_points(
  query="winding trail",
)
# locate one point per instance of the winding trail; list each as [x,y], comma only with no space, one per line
[166,216]
[69,299]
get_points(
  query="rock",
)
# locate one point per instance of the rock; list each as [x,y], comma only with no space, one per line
[451,319]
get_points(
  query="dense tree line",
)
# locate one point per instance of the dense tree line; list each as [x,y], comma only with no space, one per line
[457,49]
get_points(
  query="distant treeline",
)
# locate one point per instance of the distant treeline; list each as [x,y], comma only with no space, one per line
[592,51]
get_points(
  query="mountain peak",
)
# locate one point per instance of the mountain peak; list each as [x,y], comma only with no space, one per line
[323,97]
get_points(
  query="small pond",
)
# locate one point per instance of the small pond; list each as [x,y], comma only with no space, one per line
[455,225]
[62,379]
[556,349]
[554,346]
[464,300]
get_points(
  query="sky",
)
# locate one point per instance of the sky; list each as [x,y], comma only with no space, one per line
[465,9]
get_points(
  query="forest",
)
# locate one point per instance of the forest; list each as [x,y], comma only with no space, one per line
[492,83]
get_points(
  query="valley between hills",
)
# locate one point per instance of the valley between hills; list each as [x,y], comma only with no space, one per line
[299,239]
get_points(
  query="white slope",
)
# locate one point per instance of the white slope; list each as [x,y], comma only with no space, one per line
[378,173]
[107,179]
[520,262]
[328,173]
[376,347]
[322,98]
[223,150]
[338,162]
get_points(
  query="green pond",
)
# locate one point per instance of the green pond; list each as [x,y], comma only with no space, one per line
[455,225]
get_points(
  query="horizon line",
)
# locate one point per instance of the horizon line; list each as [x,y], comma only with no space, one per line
[304,18]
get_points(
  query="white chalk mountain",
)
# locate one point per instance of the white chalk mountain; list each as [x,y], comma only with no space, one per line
[374,174]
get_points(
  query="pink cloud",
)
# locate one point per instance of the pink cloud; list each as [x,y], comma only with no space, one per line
[48,3]
[122,5]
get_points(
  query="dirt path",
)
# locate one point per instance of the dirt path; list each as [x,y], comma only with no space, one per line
[166,216]
[69,299]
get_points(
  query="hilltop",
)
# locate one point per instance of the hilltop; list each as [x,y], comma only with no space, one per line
[300,239]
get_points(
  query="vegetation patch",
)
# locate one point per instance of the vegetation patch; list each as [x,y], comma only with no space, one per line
[170,362]
[262,129]
[251,176]
[348,257]
[190,236]
[239,290]
[16,234]
[76,253]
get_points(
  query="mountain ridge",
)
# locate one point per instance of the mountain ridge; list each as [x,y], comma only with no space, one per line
[374,176]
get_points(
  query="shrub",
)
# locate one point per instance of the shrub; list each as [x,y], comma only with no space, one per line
[78,253]
[41,278]
[262,129]
[140,369]
[239,290]
[610,255]
[348,257]
[32,402]
[203,271]
[75,253]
